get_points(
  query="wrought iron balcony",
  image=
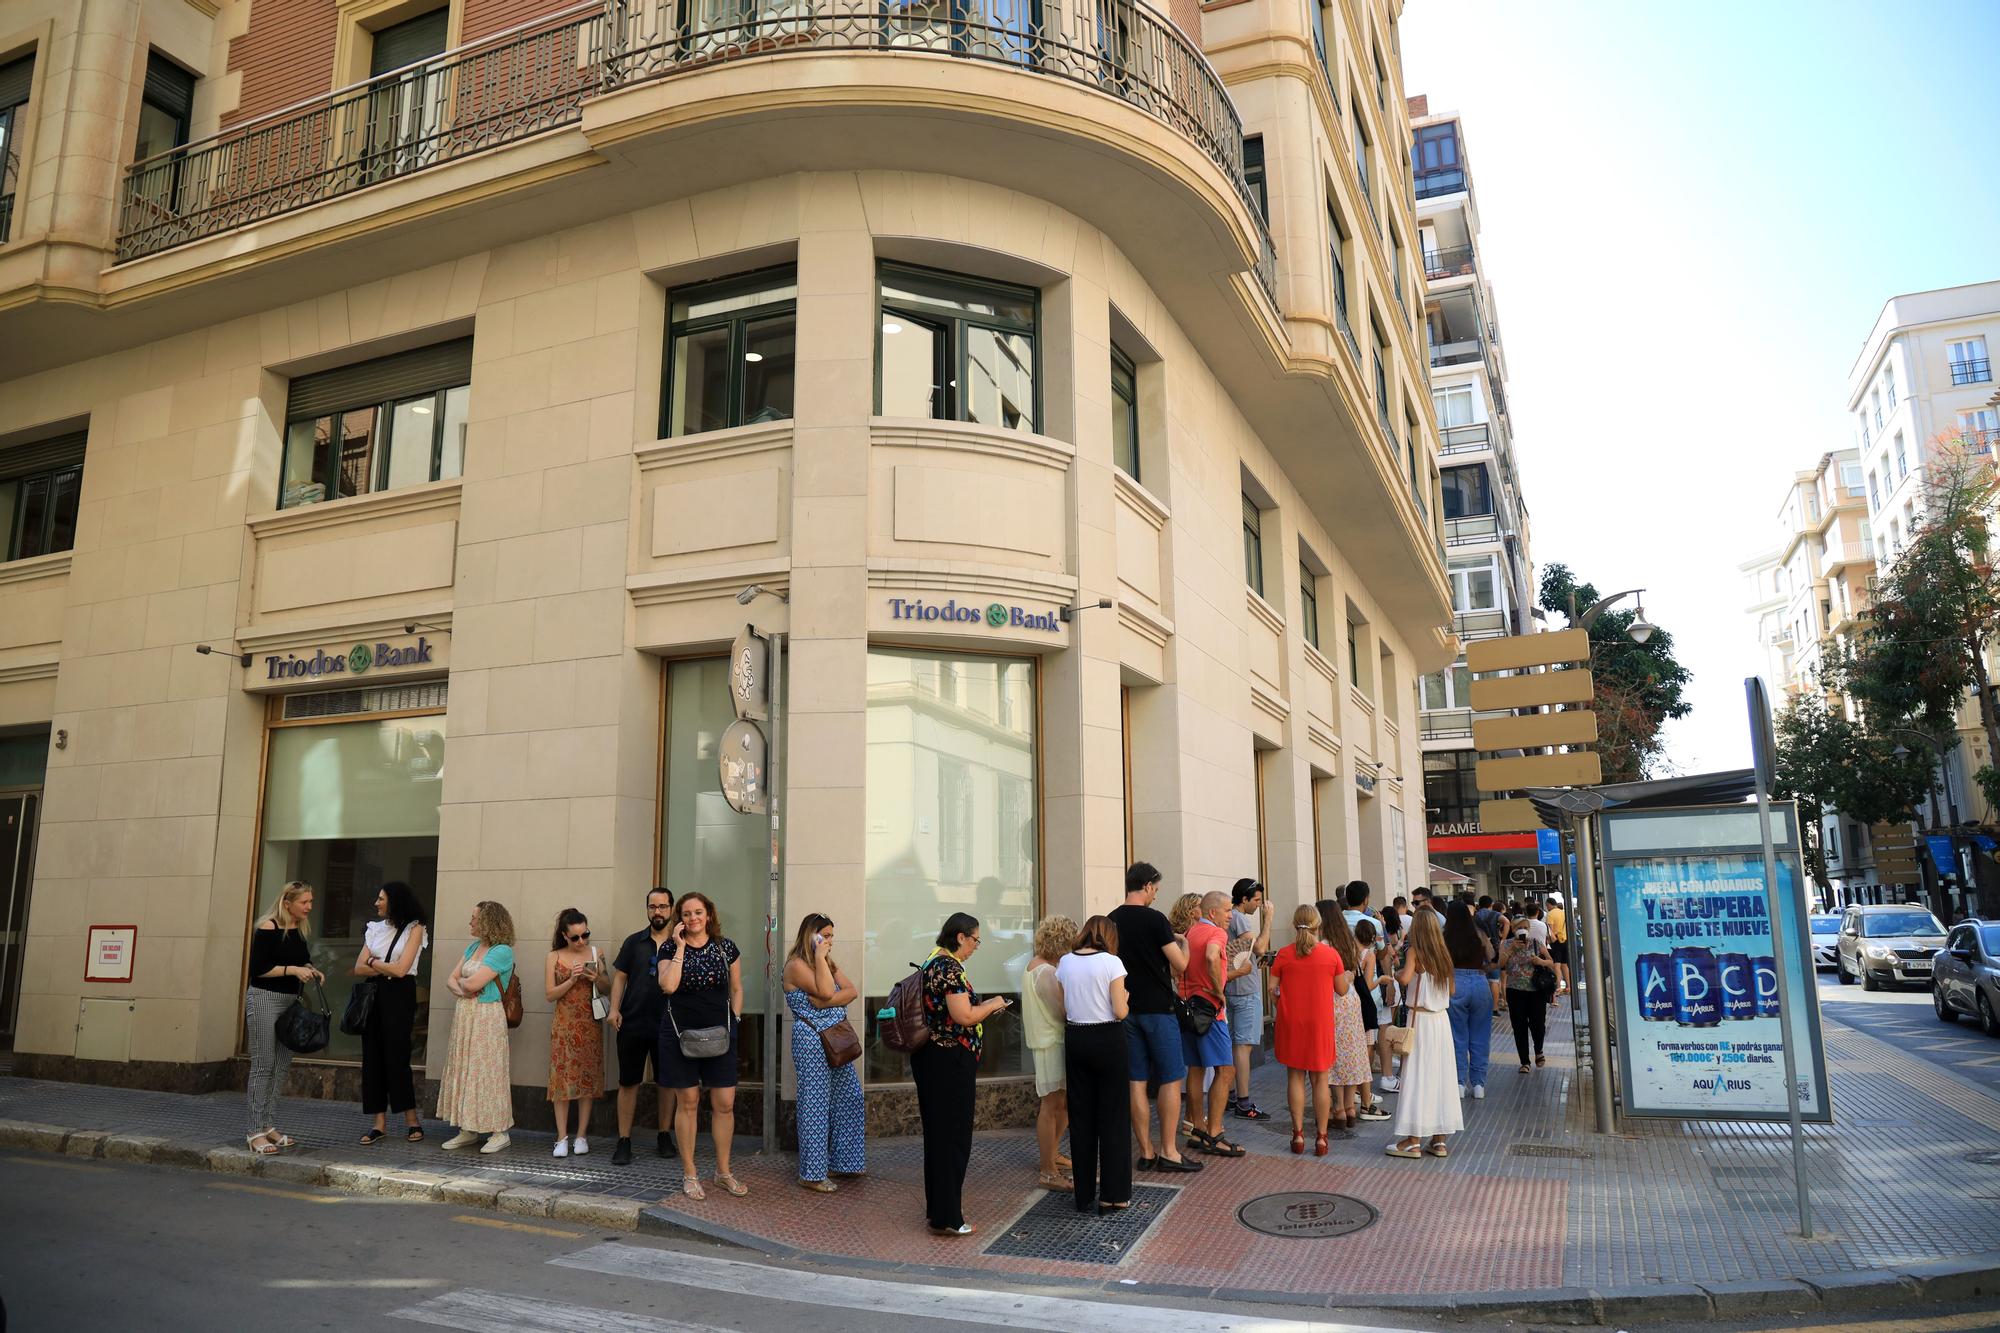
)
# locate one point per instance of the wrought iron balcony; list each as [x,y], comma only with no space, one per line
[1976,371]
[1451,262]
[532,79]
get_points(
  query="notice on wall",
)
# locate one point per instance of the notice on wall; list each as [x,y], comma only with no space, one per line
[1701,1025]
[109,954]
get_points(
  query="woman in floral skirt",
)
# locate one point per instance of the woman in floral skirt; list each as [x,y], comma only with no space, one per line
[476,1091]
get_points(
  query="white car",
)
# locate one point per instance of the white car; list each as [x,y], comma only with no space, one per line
[1825,940]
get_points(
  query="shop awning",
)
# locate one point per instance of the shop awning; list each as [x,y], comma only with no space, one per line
[1439,875]
[1736,784]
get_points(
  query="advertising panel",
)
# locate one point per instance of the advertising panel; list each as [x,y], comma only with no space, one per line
[1695,961]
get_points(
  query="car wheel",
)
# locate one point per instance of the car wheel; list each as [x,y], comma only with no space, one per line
[1868,981]
[1987,1019]
[1942,1005]
[1840,967]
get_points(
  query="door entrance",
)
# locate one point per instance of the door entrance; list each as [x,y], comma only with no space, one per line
[18,813]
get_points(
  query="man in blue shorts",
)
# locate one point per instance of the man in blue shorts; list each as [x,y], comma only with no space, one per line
[1153,956]
[1249,941]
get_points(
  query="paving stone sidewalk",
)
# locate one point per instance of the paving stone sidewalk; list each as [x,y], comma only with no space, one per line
[1532,1210]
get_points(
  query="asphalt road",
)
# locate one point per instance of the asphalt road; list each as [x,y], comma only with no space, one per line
[1906,1020]
[110,1245]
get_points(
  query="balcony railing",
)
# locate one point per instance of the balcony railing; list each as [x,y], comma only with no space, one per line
[1976,371]
[1431,184]
[532,79]
[1463,352]
[1465,439]
[1451,262]
[1975,441]
[1472,528]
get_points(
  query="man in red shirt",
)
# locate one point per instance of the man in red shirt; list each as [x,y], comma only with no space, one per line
[1210,1052]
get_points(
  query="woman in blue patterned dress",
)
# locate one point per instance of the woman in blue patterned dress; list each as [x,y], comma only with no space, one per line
[818,993]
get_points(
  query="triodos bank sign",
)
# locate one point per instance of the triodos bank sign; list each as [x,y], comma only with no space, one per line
[356,661]
[996,615]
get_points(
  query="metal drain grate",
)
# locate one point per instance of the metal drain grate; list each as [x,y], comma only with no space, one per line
[1983,1158]
[1547,1150]
[1053,1229]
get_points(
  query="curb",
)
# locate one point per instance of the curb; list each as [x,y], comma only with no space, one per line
[1966,1277]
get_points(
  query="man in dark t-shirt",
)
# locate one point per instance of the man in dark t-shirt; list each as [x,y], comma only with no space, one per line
[636,1006]
[1153,955]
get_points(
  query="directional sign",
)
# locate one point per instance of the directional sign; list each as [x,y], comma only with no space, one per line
[1557,648]
[1517,815]
[1578,768]
[750,675]
[743,757]
[1571,686]
[1575,726]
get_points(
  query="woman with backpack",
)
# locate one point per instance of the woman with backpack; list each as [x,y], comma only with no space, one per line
[476,1092]
[946,1070]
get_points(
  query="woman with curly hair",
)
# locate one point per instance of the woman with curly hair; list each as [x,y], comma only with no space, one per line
[476,1091]
[1042,1020]
[1184,913]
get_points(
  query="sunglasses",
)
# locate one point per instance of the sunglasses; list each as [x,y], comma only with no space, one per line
[578,939]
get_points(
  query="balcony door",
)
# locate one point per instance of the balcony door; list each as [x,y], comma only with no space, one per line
[405,112]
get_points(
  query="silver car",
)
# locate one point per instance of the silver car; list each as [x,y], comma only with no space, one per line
[1825,940]
[1887,942]
[1967,978]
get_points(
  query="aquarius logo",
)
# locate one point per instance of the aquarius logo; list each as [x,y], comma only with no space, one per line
[996,615]
[360,659]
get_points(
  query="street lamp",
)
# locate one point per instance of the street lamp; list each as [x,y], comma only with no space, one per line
[1640,630]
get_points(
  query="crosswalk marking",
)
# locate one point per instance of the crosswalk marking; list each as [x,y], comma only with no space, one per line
[504,1312]
[502,1224]
[959,1305]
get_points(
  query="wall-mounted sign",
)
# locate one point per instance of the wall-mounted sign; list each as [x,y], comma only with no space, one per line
[108,957]
[994,615]
[744,756]
[1452,830]
[750,675]
[1366,782]
[357,660]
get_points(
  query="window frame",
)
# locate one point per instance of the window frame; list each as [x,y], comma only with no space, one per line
[1253,544]
[738,322]
[1256,175]
[53,477]
[955,326]
[1975,367]
[1308,604]
[1126,405]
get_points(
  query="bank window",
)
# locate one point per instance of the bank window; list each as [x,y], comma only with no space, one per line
[1253,545]
[731,352]
[952,826]
[956,349]
[1308,604]
[1124,414]
[39,488]
[380,425]
[350,805]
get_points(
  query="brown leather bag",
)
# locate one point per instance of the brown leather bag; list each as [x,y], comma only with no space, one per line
[840,1043]
[510,1000]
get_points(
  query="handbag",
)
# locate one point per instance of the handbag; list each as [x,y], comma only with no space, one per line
[361,1000]
[1545,982]
[303,1028]
[1398,1037]
[700,1043]
[600,1003]
[1197,1014]
[840,1044]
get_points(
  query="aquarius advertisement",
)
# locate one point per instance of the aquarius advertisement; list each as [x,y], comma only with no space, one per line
[1700,1012]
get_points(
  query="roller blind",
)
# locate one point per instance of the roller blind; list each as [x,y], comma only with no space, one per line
[375,779]
[15,78]
[169,87]
[408,42]
[20,460]
[439,366]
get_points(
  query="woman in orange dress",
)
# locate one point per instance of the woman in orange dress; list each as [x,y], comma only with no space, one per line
[1308,974]
[575,974]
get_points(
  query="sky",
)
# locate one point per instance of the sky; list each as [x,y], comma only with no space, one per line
[1692,213]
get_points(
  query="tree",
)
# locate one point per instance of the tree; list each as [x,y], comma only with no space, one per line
[1936,612]
[1828,762]
[1639,686]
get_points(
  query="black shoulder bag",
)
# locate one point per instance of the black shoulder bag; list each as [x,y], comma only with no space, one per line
[361,1000]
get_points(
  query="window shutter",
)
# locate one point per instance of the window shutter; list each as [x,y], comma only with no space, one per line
[168,86]
[439,366]
[15,77]
[407,42]
[20,460]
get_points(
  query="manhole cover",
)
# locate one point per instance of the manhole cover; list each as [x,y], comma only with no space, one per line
[1983,1158]
[1545,1150]
[1306,1216]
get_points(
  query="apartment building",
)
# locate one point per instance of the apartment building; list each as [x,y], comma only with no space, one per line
[1806,596]
[1487,556]
[407,403]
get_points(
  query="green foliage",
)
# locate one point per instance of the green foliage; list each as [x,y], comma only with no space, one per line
[1640,686]
[1827,761]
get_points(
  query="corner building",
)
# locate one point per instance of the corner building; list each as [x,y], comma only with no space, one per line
[457,366]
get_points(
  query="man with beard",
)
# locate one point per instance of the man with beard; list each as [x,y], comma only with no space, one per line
[636,1004]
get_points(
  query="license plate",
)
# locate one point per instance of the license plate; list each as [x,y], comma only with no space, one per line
[1916,967]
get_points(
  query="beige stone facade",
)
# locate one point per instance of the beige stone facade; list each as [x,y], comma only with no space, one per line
[556,598]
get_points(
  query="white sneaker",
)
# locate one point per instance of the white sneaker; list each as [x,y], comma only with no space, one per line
[1461,1090]
[1392,1084]
[1479,1091]
[497,1143]
[465,1138]
[562,1148]
[581,1146]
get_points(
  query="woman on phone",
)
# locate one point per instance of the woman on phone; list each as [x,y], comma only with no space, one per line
[1096,1068]
[390,948]
[476,1091]
[280,965]
[946,1069]
[818,993]
[702,977]
[573,977]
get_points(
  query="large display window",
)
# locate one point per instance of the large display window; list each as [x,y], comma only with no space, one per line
[953,826]
[351,803]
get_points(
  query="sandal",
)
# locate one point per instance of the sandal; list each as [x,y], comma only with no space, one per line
[1398,1150]
[373,1137]
[282,1140]
[1438,1150]
[416,1134]
[819,1186]
[691,1187]
[1222,1147]
[1054,1180]
[1063,1163]
[1541,1060]
[1319,1145]
[261,1145]
[1299,1140]
[733,1185]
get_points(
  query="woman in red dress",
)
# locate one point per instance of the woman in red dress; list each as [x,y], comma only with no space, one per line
[1308,974]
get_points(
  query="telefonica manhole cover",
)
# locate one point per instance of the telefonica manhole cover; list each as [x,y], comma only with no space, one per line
[1303,1216]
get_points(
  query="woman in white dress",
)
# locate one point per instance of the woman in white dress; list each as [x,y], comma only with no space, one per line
[1042,1020]
[1428,1106]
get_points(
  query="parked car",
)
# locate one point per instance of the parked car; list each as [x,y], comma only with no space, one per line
[1825,940]
[1887,942]
[1966,979]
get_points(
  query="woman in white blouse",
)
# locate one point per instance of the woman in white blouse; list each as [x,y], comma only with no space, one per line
[1042,1028]
[1095,1068]
[391,946]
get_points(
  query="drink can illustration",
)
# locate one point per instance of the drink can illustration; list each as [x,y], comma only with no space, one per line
[1656,987]
[1764,972]
[1697,988]
[1738,998]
